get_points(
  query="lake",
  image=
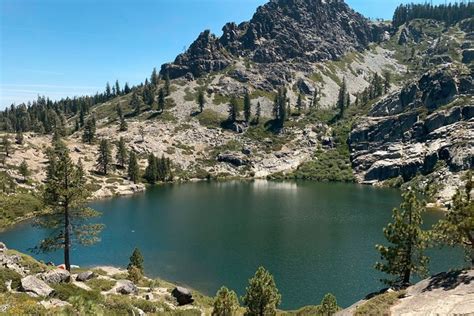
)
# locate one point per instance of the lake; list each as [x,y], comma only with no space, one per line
[313,237]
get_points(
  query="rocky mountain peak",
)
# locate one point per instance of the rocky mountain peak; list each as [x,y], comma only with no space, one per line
[279,31]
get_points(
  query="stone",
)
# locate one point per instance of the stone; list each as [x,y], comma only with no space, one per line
[3,247]
[85,276]
[35,287]
[149,297]
[183,295]
[54,303]
[235,159]
[55,276]
[305,87]
[126,287]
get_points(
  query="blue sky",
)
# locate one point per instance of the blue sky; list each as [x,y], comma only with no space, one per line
[63,48]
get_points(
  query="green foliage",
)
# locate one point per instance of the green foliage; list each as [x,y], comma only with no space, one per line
[262,296]
[133,169]
[122,153]
[88,135]
[158,169]
[225,303]
[136,260]
[457,228]
[201,100]
[405,254]
[17,206]
[134,274]
[210,118]
[135,103]
[104,157]
[65,291]
[233,110]
[100,284]
[66,194]
[328,305]
[9,275]
[21,304]
[380,304]
[161,100]
[247,107]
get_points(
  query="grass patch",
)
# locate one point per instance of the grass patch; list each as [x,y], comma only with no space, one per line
[9,275]
[29,262]
[16,206]
[210,118]
[101,284]
[380,304]
[64,291]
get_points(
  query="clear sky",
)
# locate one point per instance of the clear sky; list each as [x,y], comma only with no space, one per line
[64,48]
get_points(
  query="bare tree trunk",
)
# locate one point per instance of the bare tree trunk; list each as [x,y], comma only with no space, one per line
[67,238]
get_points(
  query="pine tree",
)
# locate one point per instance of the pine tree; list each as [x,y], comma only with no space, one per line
[232,110]
[167,85]
[226,302]
[262,296]
[201,100]
[282,111]
[258,112]
[457,228]
[66,194]
[135,103]
[122,154]
[136,260]
[151,171]
[104,159]
[148,95]
[328,305]
[77,126]
[24,170]
[154,79]
[342,98]
[88,135]
[19,138]
[108,92]
[117,88]
[405,256]
[81,117]
[299,103]
[247,107]
[387,84]
[314,101]
[161,100]
[126,88]
[133,168]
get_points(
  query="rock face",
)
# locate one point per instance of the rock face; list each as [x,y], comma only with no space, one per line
[85,276]
[55,276]
[400,139]
[35,287]
[126,287]
[182,295]
[280,31]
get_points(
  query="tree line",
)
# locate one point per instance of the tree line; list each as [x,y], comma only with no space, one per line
[450,13]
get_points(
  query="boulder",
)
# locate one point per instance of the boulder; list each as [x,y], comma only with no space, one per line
[85,276]
[149,297]
[126,287]
[54,303]
[3,247]
[35,287]
[236,159]
[183,295]
[305,87]
[55,276]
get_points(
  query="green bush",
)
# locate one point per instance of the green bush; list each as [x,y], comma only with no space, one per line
[210,118]
[9,275]
[64,291]
[101,284]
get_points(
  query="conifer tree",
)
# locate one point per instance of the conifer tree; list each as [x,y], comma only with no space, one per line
[117,88]
[262,296]
[258,113]
[387,84]
[314,101]
[161,100]
[457,228]
[247,107]
[126,88]
[167,87]
[19,138]
[24,170]
[81,117]
[133,168]
[104,159]
[226,302]
[136,260]
[154,79]
[135,103]
[342,98]
[108,92]
[299,103]
[88,135]
[405,254]
[201,100]
[232,110]
[122,153]
[282,111]
[66,194]
[77,126]
[148,95]
[328,305]
[151,171]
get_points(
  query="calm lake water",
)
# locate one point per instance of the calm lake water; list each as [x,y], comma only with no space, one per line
[313,237]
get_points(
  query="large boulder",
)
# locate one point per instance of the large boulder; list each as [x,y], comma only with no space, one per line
[85,276]
[126,287]
[236,159]
[183,295]
[3,247]
[55,276]
[35,287]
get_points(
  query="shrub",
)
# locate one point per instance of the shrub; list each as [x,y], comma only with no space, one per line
[101,284]
[9,275]
[65,291]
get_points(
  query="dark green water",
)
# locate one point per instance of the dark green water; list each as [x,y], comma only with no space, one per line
[314,237]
